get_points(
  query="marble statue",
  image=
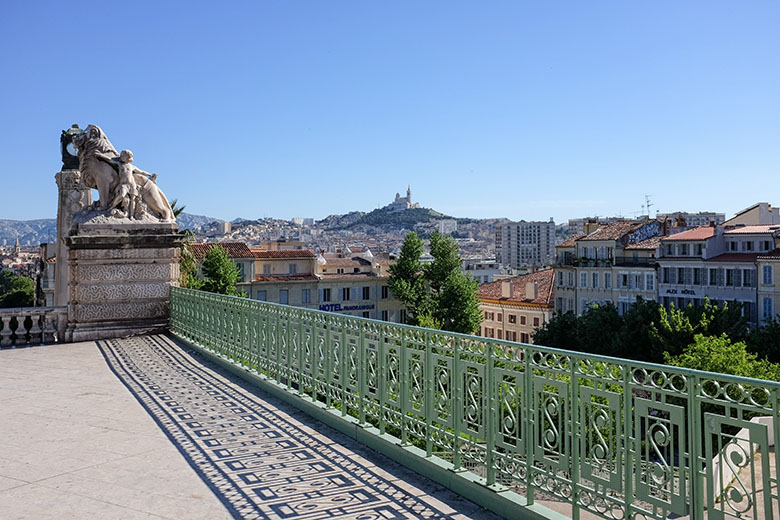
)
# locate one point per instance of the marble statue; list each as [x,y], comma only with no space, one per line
[125,191]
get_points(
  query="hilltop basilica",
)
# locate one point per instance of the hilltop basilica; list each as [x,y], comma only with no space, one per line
[403,203]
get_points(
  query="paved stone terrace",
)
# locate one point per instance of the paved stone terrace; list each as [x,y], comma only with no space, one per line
[143,428]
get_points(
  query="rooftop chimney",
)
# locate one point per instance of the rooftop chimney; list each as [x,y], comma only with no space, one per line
[506,289]
[531,290]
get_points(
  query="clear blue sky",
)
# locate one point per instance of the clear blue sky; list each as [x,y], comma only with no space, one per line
[525,110]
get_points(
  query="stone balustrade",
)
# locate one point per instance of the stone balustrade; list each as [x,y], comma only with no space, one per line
[32,326]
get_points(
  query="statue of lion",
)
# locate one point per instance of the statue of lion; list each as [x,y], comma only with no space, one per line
[98,162]
[96,173]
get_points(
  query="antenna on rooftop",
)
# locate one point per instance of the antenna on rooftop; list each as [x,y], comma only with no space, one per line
[648,204]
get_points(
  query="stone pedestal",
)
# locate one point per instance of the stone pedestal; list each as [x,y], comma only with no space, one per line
[120,274]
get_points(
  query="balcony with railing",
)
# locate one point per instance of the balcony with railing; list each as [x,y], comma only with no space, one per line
[524,430]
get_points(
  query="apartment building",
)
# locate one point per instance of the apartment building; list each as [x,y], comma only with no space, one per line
[702,218]
[614,263]
[721,264]
[513,308]
[524,244]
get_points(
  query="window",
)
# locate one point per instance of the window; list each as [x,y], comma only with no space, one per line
[340,270]
[499,334]
[522,320]
[680,275]
[650,282]
[486,314]
[583,279]
[560,278]
[571,278]
[262,296]
[667,275]
[366,314]
[293,268]
[385,316]
[266,269]
[697,276]
[512,318]
[747,278]
[306,296]
[240,271]
[713,277]
[536,322]
[669,250]
[366,293]
[732,246]
[730,277]
[402,316]
[511,335]
[355,269]
[699,248]
[683,249]
[607,280]
[326,295]
[638,281]
[284,296]
[345,294]
[747,245]
[767,309]
[765,244]
[524,337]
[595,280]
[499,317]
[385,292]
[767,278]
[624,280]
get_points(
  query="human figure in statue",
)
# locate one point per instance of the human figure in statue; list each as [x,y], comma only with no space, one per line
[126,194]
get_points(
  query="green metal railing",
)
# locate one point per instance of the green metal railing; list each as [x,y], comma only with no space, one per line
[612,437]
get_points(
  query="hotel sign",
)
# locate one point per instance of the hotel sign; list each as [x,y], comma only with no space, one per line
[337,307]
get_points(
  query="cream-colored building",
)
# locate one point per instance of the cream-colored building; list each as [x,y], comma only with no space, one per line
[614,263]
[768,266]
[513,308]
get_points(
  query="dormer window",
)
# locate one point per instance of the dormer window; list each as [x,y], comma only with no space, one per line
[732,246]
[684,249]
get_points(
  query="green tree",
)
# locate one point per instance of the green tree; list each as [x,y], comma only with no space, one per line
[719,354]
[188,266]
[16,291]
[220,273]
[437,295]
[560,332]
[407,280]
[765,340]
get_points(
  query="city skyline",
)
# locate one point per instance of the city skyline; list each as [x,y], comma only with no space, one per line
[308,110]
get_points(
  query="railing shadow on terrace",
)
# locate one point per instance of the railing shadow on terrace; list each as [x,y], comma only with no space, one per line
[20,326]
[526,424]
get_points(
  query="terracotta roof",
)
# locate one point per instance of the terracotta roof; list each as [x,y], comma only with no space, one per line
[285,253]
[734,257]
[234,249]
[333,260]
[612,231]
[775,253]
[698,233]
[287,278]
[492,290]
[650,243]
[333,276]
[744,230]
[570,242]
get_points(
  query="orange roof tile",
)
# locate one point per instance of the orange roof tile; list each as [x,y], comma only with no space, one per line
[284,253]
[492,290]
[698,233]
[650,243]
[613,231]
[570,242]
[287,278]
[744,230]
[234,249]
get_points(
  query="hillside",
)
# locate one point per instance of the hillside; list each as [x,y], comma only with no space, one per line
[382,219]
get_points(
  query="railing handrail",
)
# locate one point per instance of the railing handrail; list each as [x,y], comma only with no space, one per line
[546,350]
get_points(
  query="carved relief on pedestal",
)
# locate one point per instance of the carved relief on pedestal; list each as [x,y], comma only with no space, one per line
[106,293]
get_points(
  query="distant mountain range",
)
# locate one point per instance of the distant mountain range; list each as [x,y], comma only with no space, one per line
[35,232]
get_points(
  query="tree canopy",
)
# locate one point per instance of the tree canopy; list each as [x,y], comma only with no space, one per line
[16,291]
[436,295]
[220,273]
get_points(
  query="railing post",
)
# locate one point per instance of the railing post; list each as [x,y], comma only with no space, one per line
[694,447]
[628,434]
[457,403]
[490,414]
[301,353]
[574,438]
[404,376]
[362,373]
[382,378]
[343,367]
[430,384]
[529,423]
[328,362]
